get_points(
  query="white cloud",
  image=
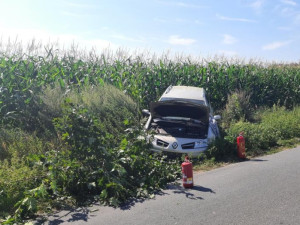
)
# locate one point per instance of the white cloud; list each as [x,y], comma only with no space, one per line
[228,39]
[276,44]
[289,2]
[176,40]
[257,5]
[236,19]
[289,12]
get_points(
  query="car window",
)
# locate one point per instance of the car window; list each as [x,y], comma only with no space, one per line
[201,102]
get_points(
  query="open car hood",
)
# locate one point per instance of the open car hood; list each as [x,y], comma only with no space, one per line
[179,109]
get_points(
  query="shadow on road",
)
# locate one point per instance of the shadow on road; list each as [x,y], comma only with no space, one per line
[188,192]
[257,160]
[55,222]
[177,189]
[84,213]
[80,214]
[202,189]
[127,205]
[131,203]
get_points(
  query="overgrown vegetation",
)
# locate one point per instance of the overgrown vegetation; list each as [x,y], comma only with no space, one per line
[63,117]
[271,127]
[237,108]
[90,156]
[275,125]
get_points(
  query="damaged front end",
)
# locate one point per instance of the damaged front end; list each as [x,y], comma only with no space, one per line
[179,126]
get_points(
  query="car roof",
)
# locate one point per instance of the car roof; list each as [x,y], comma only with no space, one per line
[184,92]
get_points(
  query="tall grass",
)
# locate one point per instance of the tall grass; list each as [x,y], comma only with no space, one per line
[109,104]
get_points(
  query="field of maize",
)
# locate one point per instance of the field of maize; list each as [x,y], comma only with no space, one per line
[144,78]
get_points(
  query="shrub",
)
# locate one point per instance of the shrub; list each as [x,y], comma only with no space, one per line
[88,161]
[220,149]
[237,108]
[111,106]
[257,137]
[95,164]
[16,176]
[286,122]
[18,143]
[276,124]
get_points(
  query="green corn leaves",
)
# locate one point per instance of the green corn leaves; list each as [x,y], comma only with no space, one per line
[22,78]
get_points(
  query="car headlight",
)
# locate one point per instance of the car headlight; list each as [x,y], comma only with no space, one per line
[197,144]
[152,139]
[200,144]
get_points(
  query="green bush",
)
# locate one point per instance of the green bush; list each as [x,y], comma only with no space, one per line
[256,136]
[16,176]
[276,124]
[111,106]
[237,108]
[86,162]
[17,143]
[95,164]
[286,122]
[219,150]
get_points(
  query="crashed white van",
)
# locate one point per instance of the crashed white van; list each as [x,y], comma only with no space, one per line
[181,121]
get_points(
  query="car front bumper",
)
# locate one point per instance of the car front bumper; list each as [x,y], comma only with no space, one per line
[178,145]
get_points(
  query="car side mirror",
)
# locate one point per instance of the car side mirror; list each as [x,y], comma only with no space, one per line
[217,117]
[146,112]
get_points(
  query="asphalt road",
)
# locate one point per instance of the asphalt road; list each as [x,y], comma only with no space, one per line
[265,190]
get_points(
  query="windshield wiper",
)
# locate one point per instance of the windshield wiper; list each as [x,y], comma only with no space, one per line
[196,121]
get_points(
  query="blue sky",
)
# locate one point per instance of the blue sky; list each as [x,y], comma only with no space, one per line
[258,29]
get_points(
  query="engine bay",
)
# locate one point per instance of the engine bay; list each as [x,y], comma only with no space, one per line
[180,128]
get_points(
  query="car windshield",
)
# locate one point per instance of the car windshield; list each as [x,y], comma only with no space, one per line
[200,102]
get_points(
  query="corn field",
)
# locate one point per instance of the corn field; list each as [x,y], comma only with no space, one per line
[23,76]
